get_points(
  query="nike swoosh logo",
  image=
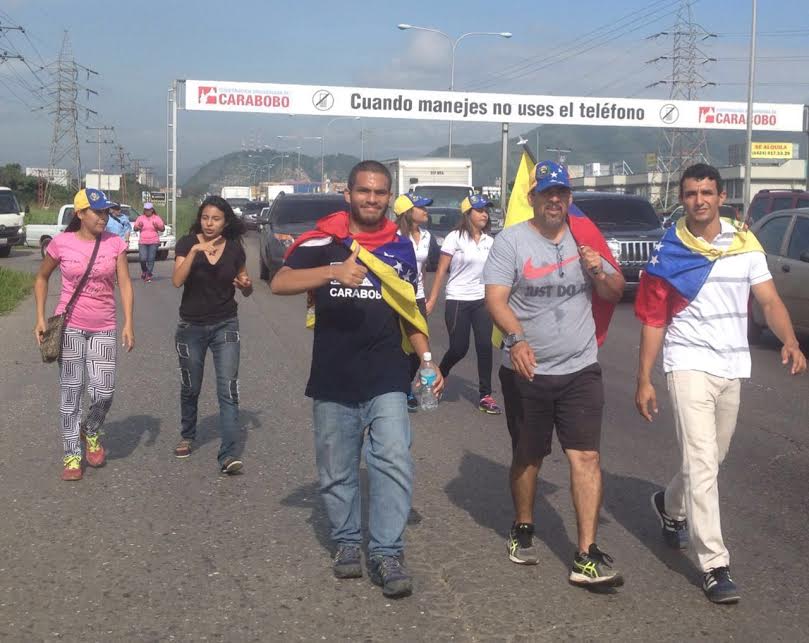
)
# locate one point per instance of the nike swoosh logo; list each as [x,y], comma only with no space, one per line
[529,271]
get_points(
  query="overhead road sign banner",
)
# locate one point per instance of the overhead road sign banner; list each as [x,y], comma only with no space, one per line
[471,107]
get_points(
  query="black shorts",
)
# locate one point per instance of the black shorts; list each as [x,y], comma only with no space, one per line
[572,403]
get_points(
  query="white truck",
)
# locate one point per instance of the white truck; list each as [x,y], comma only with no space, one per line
[275,189]
[40,235]
[445,180]
[12,217]
[236,192]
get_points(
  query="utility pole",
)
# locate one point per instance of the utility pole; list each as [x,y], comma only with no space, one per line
[65,108]
[122,164]
[680,148]
[561,154]
[98,130]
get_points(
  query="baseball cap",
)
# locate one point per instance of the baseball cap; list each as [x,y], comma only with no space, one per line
[404,202]
[115,206]
[91,198]
[476,201]
[547,174]
[148,206]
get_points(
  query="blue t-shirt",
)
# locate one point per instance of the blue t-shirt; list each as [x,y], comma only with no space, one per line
[119,225]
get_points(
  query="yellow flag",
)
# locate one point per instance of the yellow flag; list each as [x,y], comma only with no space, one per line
[518,210]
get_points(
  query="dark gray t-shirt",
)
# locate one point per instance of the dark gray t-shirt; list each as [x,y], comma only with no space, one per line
[551,297]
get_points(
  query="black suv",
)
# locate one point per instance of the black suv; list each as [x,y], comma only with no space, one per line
[290,216]
[628,223]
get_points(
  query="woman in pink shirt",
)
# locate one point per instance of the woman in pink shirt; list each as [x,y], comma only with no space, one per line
[150,225]
[88,343]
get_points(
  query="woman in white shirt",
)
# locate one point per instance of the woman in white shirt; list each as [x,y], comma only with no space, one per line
[410,215]
[463,254]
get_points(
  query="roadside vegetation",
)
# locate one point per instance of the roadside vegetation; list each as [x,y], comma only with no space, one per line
[14,287]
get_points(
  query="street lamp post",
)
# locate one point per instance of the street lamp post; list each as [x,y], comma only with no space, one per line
[454,44]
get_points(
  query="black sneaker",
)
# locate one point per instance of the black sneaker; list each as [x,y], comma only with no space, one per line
[675,532]
[389,573]
[588,569]
[521,547]
[412,403]
[719,586]
[347,561]
[231,465]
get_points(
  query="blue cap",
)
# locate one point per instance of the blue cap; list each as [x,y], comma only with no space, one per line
[91,198]
[548,174]
[476,202]
[405,202]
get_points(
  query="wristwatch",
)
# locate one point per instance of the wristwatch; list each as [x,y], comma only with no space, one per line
[512,338]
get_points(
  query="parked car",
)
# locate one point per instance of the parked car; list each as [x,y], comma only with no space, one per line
[768,201]
[251,212]
[39,235]
[290,216]
[12,217]
[785,237]
[629,225]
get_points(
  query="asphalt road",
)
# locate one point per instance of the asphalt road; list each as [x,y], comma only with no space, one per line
[153,548]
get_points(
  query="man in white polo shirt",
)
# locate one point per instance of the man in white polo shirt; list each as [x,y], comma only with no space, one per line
[693,302]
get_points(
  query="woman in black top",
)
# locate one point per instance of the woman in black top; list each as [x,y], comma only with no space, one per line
[210,264]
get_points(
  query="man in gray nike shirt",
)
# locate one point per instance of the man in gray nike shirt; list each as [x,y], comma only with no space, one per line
[539,287]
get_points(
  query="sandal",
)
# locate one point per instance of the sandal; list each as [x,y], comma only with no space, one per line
[183,449]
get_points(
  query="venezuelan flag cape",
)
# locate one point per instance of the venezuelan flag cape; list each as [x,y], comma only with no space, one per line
[391,265]
[679,267]
[584,232]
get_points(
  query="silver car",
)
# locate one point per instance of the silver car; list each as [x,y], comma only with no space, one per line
[785,237]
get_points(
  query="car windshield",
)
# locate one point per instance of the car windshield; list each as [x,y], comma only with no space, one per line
[237,202]
[286,211]
[8,203]
[443,196]
[620,213]
[443,220]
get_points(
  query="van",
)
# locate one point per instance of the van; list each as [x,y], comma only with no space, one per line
[11,222]
[767,201]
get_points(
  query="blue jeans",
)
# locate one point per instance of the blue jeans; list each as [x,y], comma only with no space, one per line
[192,342]
[339,435]
[147,253]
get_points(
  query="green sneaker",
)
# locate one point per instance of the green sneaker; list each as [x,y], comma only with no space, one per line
[594,569]
[521,547]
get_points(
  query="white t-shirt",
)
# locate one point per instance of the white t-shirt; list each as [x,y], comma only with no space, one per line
[466,267]
[422,249]
[710,334]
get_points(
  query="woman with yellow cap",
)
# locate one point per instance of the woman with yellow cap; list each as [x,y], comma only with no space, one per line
[411,215]
[463,255]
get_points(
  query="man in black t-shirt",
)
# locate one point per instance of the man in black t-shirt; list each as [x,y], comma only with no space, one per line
[359,378]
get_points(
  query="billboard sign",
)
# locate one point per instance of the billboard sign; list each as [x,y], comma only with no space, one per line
[374,102]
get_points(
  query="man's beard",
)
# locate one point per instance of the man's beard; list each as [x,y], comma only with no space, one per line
[368,220]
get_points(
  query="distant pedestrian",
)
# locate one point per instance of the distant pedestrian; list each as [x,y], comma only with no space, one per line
[210,266]
[362,275]
[693,303]
[149,225]
[463,255]
[88,344]
[119,224]
[411,215]
[551,286]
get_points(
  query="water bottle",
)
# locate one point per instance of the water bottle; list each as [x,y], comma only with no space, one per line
[427,375]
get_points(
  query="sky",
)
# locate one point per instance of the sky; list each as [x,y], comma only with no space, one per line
[582,48]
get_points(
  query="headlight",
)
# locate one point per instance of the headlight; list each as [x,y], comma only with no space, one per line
[439,240]
[285,239]
[615,248]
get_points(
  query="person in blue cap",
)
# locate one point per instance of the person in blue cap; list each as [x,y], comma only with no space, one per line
[118,223]
[411,215]
[463,254]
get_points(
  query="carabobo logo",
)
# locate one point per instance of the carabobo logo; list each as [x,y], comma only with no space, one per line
[207,95]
